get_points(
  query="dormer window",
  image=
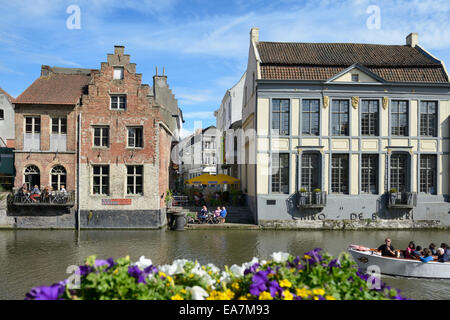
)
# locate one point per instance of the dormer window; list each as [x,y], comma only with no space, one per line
[355,77]
[118,73]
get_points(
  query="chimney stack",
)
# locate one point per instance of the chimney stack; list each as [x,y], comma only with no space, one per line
[119,50]
[412,39]
[254,35]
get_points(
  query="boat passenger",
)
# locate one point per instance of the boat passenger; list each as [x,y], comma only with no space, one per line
[387,249]
[446,248]
[417,252]
[427,257]
[409,250]
[432,248]
[442,255]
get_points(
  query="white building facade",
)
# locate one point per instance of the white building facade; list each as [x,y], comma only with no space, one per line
[346,131]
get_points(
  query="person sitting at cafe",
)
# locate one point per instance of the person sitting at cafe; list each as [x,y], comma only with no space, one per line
[35,193]
[427,257]
[223,214]
[442,256]
[63,190]
[387,249]
[203,214]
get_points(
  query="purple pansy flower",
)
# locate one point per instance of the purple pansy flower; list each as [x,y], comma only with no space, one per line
[252,269]
[275,288]
[137,273]
[259,281]
[315,256]
[52,292]
[334,263]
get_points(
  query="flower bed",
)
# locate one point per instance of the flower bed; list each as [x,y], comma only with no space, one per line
[313,276]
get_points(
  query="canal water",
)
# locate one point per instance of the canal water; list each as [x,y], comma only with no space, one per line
[31,258]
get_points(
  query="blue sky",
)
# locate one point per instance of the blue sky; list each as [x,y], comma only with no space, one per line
[202,45]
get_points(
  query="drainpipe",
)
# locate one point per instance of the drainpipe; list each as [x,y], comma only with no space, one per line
[78,173]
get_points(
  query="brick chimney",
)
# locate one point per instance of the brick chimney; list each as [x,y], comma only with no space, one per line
[254,35]
[412,39]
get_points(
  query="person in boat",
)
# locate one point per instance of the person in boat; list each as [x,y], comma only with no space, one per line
[409,250]
[442,256]
[446,248]
[432,248]
[387,249]
[417,253]
[427,257]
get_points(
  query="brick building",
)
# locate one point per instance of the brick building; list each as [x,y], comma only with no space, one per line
[45,128]
[125,146]
[103,134]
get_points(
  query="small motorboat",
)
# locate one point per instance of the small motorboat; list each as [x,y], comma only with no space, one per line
[371,259]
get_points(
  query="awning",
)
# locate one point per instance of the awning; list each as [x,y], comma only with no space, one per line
[207,178]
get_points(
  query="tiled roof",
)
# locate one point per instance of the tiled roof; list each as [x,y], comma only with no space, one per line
[11,99]
[320,73]
[57,86]
[321,61]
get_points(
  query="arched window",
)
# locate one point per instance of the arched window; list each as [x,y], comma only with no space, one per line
[58,177]
[32,176]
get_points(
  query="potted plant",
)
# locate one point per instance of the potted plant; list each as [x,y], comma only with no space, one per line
[302,196]
[393,195]
[317,195]
[168,199]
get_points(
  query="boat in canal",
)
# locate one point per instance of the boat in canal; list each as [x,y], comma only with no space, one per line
[367,258]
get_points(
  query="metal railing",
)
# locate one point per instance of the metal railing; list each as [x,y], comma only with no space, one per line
[401,199]
[312,199]
[52,198]
[180,201]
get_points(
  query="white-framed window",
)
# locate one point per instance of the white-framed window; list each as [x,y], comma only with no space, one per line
[59,125]
[58,177]
[100,179]
[135,137]
[32,124]
[118,73]
[135,180]
[101,136]
[118,102]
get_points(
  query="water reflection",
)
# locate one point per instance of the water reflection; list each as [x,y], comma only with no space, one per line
[35,257]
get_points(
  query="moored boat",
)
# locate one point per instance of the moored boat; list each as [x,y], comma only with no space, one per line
[366,258]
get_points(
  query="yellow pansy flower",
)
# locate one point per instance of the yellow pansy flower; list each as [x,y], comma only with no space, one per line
[306,257]
[176,297]
[235,286]
[285,283]
[288,295]
[330,298]
[303,292]
[318,292]
[265,296]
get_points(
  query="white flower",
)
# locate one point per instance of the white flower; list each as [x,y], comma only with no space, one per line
[175,268]
[225,277]
[197,293]
[237,270]
[280,256]
[251,263]
[213,268]
[143,263]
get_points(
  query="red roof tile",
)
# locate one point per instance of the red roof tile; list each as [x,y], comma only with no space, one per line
[321,61]
[56,88]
